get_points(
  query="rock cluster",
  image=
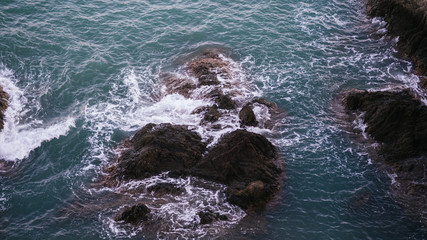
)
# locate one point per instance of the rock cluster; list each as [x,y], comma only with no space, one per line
[398,121]
[246,162]
[408,20]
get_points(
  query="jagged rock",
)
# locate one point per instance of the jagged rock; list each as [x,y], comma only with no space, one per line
[395,119]
[158,148]
[161,189]
[134,214]
[247,116]
[208,216]
[4,97]
[244,161]
[406,19]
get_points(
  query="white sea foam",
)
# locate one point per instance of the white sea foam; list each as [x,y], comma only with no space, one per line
[360,125]
[19,138]
[19,141]
[179,214]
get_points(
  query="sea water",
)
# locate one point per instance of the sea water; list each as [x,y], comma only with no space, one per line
[84,75]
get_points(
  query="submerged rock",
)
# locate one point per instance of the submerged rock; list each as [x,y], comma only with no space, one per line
[134,214]
[161,189]
[246,163]
[158,148]
[208,216]
[406,19]
[4,97]
[398,121]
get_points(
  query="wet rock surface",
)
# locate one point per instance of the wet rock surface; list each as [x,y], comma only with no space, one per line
[245,162]
[4,97]
[158,148]
[247,116]
[406,19]
[397,121]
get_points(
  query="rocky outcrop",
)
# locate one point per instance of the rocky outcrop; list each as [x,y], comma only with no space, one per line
[245,162]
[395,119]
[408,20]
[158,148]
[4,97]
[398,122]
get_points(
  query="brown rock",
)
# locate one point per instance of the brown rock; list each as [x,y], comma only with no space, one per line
[207,69]
[247,116]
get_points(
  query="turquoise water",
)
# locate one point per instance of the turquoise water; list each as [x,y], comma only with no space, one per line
[84,76]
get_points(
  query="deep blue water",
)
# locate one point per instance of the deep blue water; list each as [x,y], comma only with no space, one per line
[84,75]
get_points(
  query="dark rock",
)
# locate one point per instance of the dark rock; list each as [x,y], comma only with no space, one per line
[247,116]
[161,189]
[276,112]
[225,102]
[395,119]
[134,214]
[212,114]
[244,161]
[208,216]
[4,97]
[158,148]
[406,19]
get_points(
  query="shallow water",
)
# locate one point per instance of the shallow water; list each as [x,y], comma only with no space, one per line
[84,76]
